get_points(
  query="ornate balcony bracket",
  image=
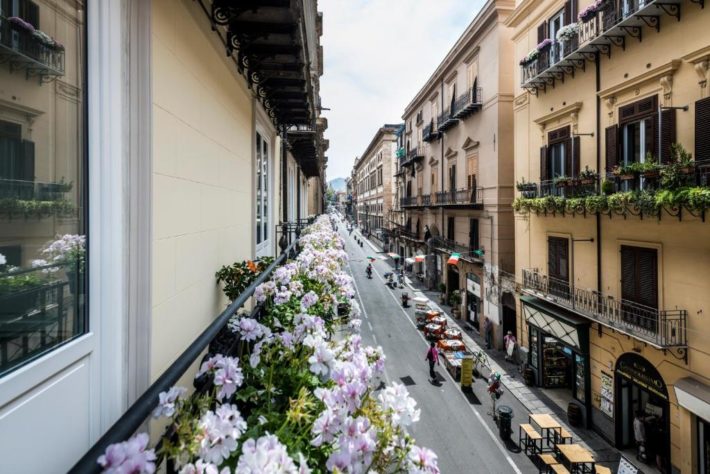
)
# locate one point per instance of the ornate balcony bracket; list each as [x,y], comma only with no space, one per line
[589,55]
[699,2]
[652,21]
[605,48]
[618,41]
[680,353]
[670,9]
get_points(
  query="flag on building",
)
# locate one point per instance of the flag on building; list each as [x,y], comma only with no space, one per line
[419,258]
[454,258]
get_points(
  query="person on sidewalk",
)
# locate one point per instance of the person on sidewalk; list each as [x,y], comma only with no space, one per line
[494,390]
[509,342]
[640,435]
[432,356]
[488,332]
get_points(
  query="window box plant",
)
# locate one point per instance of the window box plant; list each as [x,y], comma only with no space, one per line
[528,190]
[20,24]
[530,57]
[591,11]
[19,292]
[624,173]
[608,187]
[587,176]
[567,33]
[544,45]
[562,181]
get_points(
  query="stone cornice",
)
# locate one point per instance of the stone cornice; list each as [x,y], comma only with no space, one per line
[563,112]
[656,73]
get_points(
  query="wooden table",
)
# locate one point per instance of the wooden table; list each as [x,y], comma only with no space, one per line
[577,458]
[548,427]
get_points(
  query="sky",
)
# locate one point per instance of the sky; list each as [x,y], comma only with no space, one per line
[377,55]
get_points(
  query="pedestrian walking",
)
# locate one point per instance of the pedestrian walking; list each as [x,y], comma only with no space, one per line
[494,390]
[487,332]
[432,356]
[509,342]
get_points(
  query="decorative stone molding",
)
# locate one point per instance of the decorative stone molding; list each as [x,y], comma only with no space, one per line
[667,86]
[667,69]
[701,69]
[450,153]
[565,111]
[700,60]
[610,102]
[469,144]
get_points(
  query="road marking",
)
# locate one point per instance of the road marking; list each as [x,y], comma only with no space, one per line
[369,325]
[478,415]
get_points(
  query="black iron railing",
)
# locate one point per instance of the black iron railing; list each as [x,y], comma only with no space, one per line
[599,33]
[430,132]
[448,245]
[403,232]
[426,199]
[459,197]
[572,187]
[30,50]
[662,328]
[467,103]
[408,201]
[142,408]
[32,190]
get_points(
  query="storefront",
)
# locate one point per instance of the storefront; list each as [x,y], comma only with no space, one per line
[558,345]
[694,397]
[473,299]
[641,391]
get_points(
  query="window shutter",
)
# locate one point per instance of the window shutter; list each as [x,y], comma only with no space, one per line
[568,158]
[29,11]
[27,168]
[543,163]
[628,273]
[577,157]
[702,137]
[612,148]
[568,12]
[647,266]
[473,234]
[668,136]
[541,32]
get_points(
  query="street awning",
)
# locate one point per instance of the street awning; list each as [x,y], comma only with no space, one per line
[558,322]
[694,396]
[409,260]
[393,255]
[419,258]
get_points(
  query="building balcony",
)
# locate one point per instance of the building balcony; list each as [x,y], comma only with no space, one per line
[430,132]
[25,49]
[409,201]
[467,103]
[426,200]
[412,156]
[408,234]
[612,26]
[446,120]
[460,198]
[467,252]
[660,328]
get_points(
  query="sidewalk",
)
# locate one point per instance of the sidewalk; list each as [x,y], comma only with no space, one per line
[531,398]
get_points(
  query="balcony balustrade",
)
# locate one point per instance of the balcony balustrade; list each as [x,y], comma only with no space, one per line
[460,197]
[430,132]
[408,234]
[447,245]
[25,48]
[426,200]
[660,328]
[569,188]
[467,103]
[612,25]
[409,201]
[446,120]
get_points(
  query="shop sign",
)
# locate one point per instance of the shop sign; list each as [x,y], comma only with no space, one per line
[607,395]
[625,467]
[642,373]
[472,284]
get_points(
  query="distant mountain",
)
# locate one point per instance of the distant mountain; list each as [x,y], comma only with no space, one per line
[338,184]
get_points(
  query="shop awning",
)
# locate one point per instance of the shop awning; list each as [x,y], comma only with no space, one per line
[558,322]
[694,396]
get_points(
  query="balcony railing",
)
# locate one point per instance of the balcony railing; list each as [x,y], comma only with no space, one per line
[446,120]
[409,201]
[430,132]
[32,190]
[467,252]
[460,197]
[467,103]
[614,25]
[31,51]
[660,328]
[426,200]
[573,187]
[406,233]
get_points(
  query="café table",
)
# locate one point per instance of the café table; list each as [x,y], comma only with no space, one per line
[576,457]
[548,426]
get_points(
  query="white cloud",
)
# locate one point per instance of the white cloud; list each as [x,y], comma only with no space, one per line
[378,54]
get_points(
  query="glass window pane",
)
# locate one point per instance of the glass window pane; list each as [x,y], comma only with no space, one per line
[258,189]
[265,177]
[42,190]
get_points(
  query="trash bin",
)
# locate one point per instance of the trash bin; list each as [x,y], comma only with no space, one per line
[505,420]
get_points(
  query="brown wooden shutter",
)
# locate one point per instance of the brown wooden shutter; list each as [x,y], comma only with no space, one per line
[577,157]
[612,148]
[668,135]
[27,169]
[702,129]
[628,273]
[543,163]
[568,158]
[568,12]
[541,32]
[639,275]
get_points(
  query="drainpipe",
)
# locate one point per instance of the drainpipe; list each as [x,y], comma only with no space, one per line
[442,159]
[587,375]
[284,175]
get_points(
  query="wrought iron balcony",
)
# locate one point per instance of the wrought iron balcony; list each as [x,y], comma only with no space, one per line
[430,132]
[409,201]
[660,328]
[572,187]
[408,234]
[24,48]
[611,26]
[467,103]
[446,120]
[447,245]
[465,197]
[426,200]
[32,190]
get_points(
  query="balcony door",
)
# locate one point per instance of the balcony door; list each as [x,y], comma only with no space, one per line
[263,197]
[639,286]
[555,24]
[558,266]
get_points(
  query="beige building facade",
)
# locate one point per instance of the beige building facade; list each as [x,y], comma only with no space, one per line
[373,178]
[457,172]
[612,250]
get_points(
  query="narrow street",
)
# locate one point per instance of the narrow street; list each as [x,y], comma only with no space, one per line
[456,426]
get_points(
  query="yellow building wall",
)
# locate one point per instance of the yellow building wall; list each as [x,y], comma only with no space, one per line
[202,179]
[684,247]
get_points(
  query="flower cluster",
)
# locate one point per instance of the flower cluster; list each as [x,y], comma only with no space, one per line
[567,32]
[544,44]
[68,249]
[591,10]
[305,402]
[530,57]
[129,457]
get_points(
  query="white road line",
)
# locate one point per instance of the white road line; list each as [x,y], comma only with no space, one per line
[478,415]
[369,326]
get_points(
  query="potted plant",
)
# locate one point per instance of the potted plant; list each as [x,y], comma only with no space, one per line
[562,181]
[608,187]
[530,57]
[591,11]
[455,302]
[682,158]
[69,251]
[567,33]
[624,173]
[18,291]
[528,190]
[544,45]
[238,276]
[587,176]
[649,168]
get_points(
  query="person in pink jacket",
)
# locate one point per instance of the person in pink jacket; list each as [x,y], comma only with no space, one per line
[432,356]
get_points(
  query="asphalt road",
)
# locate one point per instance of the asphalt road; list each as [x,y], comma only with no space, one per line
[457,427]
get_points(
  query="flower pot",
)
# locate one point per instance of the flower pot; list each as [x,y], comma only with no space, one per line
[626,177]
[687,170]
[76,282]
[587,181]
[650,174]
[19,303]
